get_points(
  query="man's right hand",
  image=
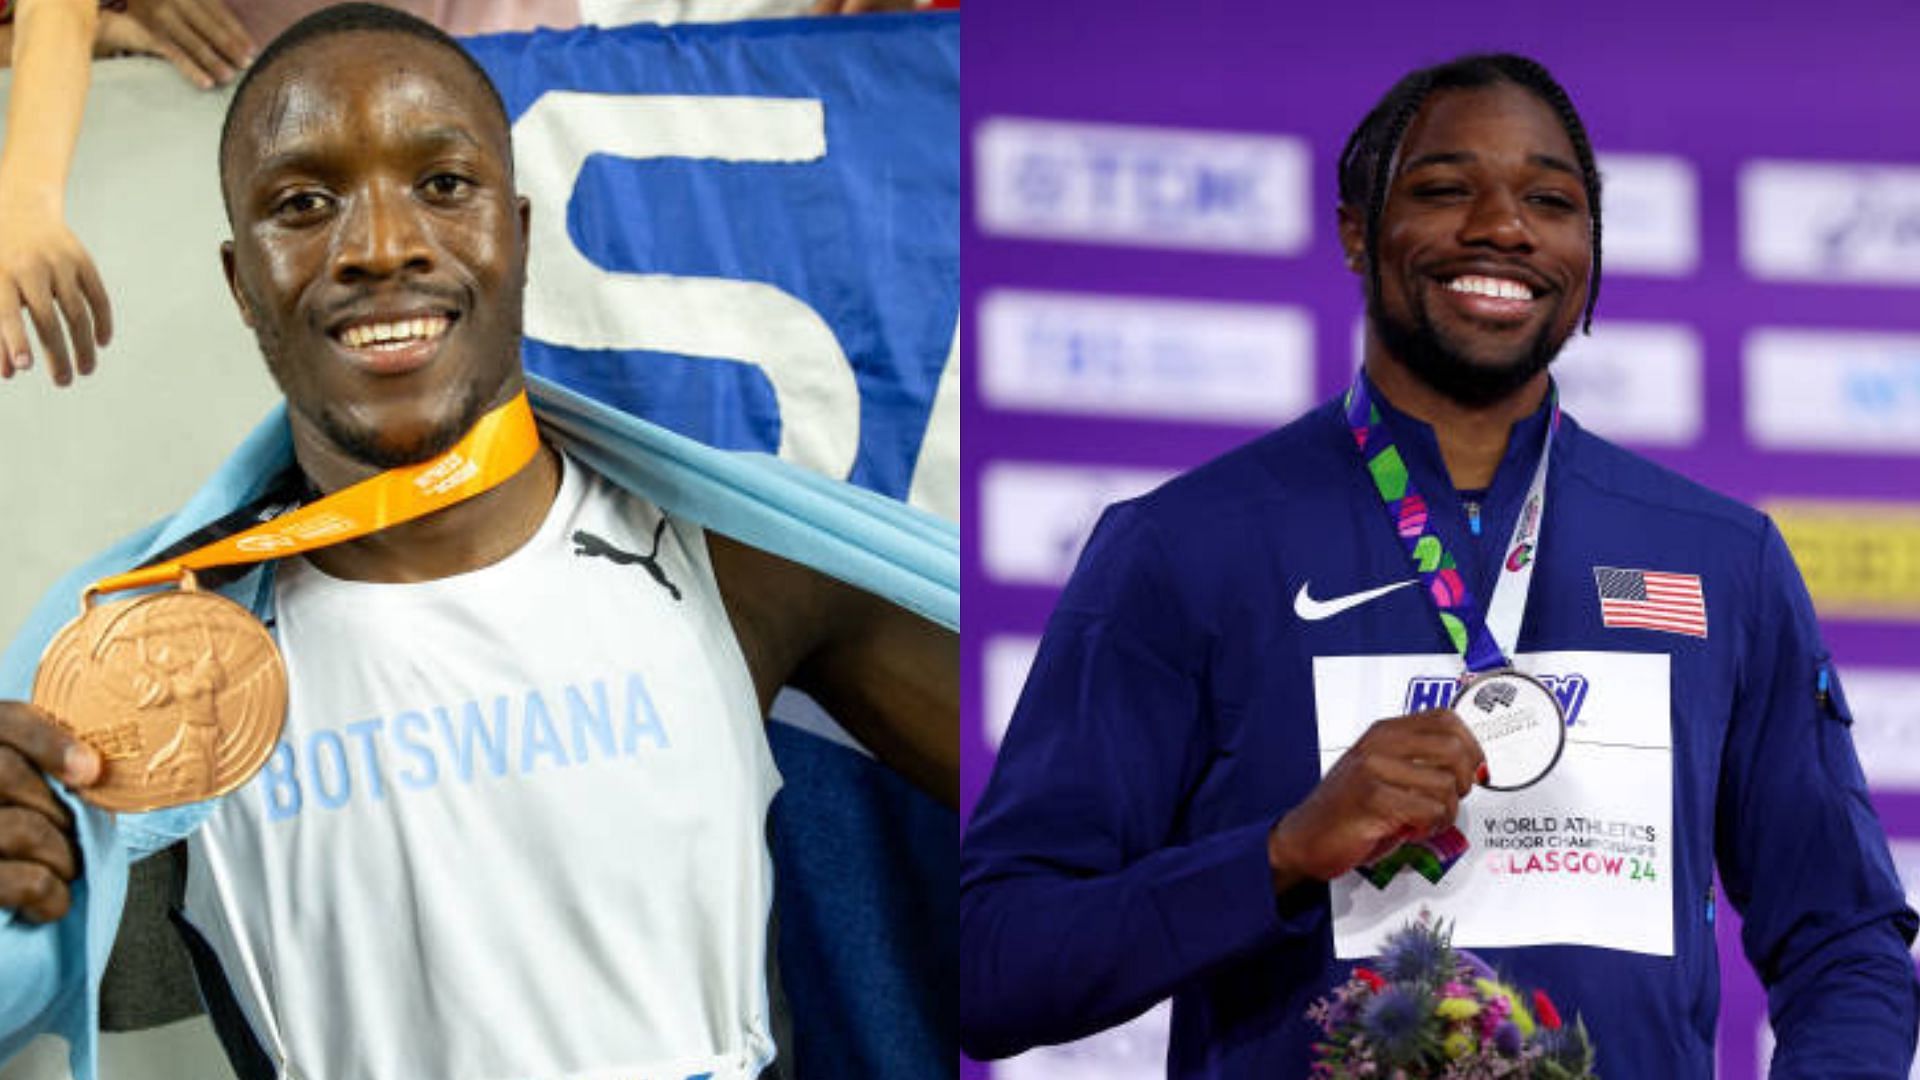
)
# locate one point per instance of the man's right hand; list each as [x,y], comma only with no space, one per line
[39,856]
[1402,781]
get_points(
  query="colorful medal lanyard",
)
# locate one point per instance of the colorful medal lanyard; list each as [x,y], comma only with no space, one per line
[1485,643]
[499,445]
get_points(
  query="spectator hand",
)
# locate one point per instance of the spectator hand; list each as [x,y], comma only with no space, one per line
[39,857]
[1402,781]
[120,34]
[44,270]
[202,38]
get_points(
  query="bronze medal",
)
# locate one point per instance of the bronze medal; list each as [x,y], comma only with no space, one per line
[182,693]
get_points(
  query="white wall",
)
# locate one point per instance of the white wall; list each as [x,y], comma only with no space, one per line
[179,387]
[182,381]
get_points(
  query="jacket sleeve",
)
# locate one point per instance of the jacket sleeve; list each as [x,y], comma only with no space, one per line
[1078,908]
[1803,856]
[50,974]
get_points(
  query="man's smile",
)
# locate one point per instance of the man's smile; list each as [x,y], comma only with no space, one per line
[1491,297]
[393,343]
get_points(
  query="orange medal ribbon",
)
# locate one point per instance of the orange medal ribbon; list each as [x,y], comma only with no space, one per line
[183,693]
[499,445]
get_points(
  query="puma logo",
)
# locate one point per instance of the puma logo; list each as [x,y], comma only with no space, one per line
[589,546]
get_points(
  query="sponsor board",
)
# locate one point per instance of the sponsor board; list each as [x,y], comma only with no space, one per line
[1653,214]
[1155,187]
[1635,382]
[1006,660]
[1136,1050]
[1860,560]
[1833,390]
[1036,518]
[1164,359]
[1827,222]
[1886,727]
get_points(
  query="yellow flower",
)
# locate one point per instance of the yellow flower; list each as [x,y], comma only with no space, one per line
[1457,1045]
[1457,1009]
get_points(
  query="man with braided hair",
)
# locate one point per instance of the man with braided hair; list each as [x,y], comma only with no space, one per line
[1197,797]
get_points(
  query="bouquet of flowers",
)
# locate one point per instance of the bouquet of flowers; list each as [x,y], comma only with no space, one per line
[1430,1010]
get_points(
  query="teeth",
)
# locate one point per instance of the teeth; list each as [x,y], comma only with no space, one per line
[394,334]
[1500,288]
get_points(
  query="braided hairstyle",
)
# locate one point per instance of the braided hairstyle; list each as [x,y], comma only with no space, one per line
[1366,164]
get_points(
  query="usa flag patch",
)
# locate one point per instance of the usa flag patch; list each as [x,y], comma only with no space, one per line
[1651,600]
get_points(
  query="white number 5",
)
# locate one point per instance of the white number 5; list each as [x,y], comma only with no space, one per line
[573,303]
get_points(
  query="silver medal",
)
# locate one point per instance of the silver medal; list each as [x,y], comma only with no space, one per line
[1519,723]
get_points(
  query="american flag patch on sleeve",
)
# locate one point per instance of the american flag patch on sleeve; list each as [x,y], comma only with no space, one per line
[1651,600]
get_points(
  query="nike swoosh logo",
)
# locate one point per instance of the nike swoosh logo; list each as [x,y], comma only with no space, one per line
[1314,610]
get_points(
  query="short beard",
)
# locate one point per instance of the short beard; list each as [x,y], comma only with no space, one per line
[1418,345]
[366,445]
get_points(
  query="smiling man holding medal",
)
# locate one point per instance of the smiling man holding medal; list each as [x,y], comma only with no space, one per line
[515,823]
[1435,651]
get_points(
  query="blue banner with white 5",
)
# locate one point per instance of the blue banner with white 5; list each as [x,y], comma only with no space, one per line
[750,233]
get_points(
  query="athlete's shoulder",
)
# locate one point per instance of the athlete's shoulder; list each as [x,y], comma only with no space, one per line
[1304,458]
[1191,532]
[1187,543]
[1651,495]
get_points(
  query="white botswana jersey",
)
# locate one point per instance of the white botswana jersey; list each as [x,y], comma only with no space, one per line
[515,826]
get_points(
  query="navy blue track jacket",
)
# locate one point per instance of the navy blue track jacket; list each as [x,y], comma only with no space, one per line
[1118,855]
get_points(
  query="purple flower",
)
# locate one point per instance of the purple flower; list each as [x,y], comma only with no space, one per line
[1506,1039]
[1476,967]
[1492,1014]
[1338,1013]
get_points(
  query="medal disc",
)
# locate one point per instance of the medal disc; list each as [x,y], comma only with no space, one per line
[182,693]
[1519,723]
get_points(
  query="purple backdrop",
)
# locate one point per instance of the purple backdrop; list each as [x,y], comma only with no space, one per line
[1694,107]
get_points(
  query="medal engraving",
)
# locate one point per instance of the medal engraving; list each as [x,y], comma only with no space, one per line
[182,693]
[1519,724]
